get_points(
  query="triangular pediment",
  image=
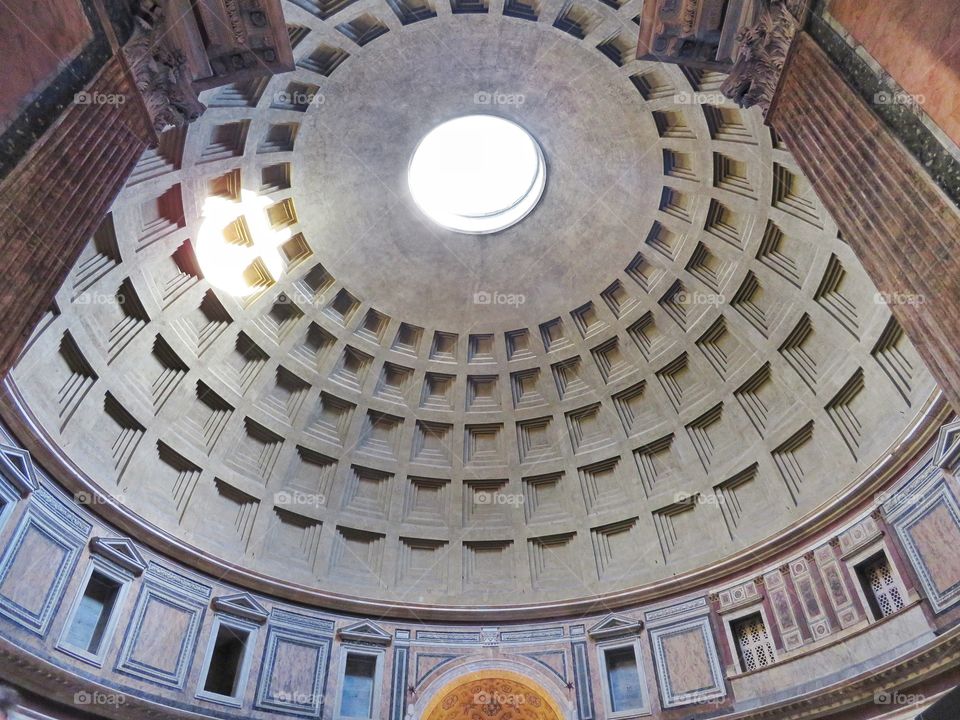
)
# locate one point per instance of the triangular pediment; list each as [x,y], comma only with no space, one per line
[241,605]
[614,625]
[121,552]
[17,466]
[947,452]
[367,632]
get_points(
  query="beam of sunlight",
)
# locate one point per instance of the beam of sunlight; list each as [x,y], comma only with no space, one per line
[236,243]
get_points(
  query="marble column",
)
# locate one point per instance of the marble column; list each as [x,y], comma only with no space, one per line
[903,228]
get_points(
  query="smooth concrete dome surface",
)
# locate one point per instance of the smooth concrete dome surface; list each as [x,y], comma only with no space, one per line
[671,361]
[477,174]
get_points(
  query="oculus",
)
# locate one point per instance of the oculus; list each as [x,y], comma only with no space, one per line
[477,174]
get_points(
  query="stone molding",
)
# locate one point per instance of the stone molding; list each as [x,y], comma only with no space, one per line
[121,551]
[763,52]
[159,71]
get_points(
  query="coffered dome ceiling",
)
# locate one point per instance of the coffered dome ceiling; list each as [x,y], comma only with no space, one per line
[670,360]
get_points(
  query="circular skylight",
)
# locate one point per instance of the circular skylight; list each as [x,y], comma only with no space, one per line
[477,174]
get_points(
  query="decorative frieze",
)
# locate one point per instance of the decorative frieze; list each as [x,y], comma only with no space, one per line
[837,589]
[532,635]
[813,610]
[783,611]
[738,596]
[859,536]
[672,612]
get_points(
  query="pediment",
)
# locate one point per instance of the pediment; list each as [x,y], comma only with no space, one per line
[121,552]
[366,632]
[17,466]
[241,605]
[614,625]
[947,452]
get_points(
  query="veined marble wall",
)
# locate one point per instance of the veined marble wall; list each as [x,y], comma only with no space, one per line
[827,644]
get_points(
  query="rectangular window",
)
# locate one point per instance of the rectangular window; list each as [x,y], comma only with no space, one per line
[623,679]
[91,618]
[879,585]
[8,500]
[753,643]
[359,678]
[226,661]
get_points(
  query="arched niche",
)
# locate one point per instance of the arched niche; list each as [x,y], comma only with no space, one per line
[490,694]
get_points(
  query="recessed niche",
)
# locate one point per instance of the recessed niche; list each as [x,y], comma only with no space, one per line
[363,29]
[480,349]
[407,339]
[352,368]
[330,419]
[324,60]
[432,444]
[483,393]
[444,347]
[437,391]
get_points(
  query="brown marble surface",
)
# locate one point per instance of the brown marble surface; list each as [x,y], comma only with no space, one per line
[918,43]
[43,36]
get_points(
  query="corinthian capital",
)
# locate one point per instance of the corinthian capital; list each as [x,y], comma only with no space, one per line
[160,71]
[763,51]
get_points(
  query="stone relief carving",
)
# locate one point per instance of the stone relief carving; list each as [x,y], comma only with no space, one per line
[159,70]
[763,51]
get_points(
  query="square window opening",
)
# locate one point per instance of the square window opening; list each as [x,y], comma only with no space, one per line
[623,679]
[226,661]
[754,647]
[92,617]
[879,585]
[359,677]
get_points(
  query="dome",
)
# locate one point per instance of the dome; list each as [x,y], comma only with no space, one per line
[447,359]
[673,361]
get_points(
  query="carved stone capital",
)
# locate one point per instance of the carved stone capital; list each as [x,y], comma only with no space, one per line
[763,51]
[159,70]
